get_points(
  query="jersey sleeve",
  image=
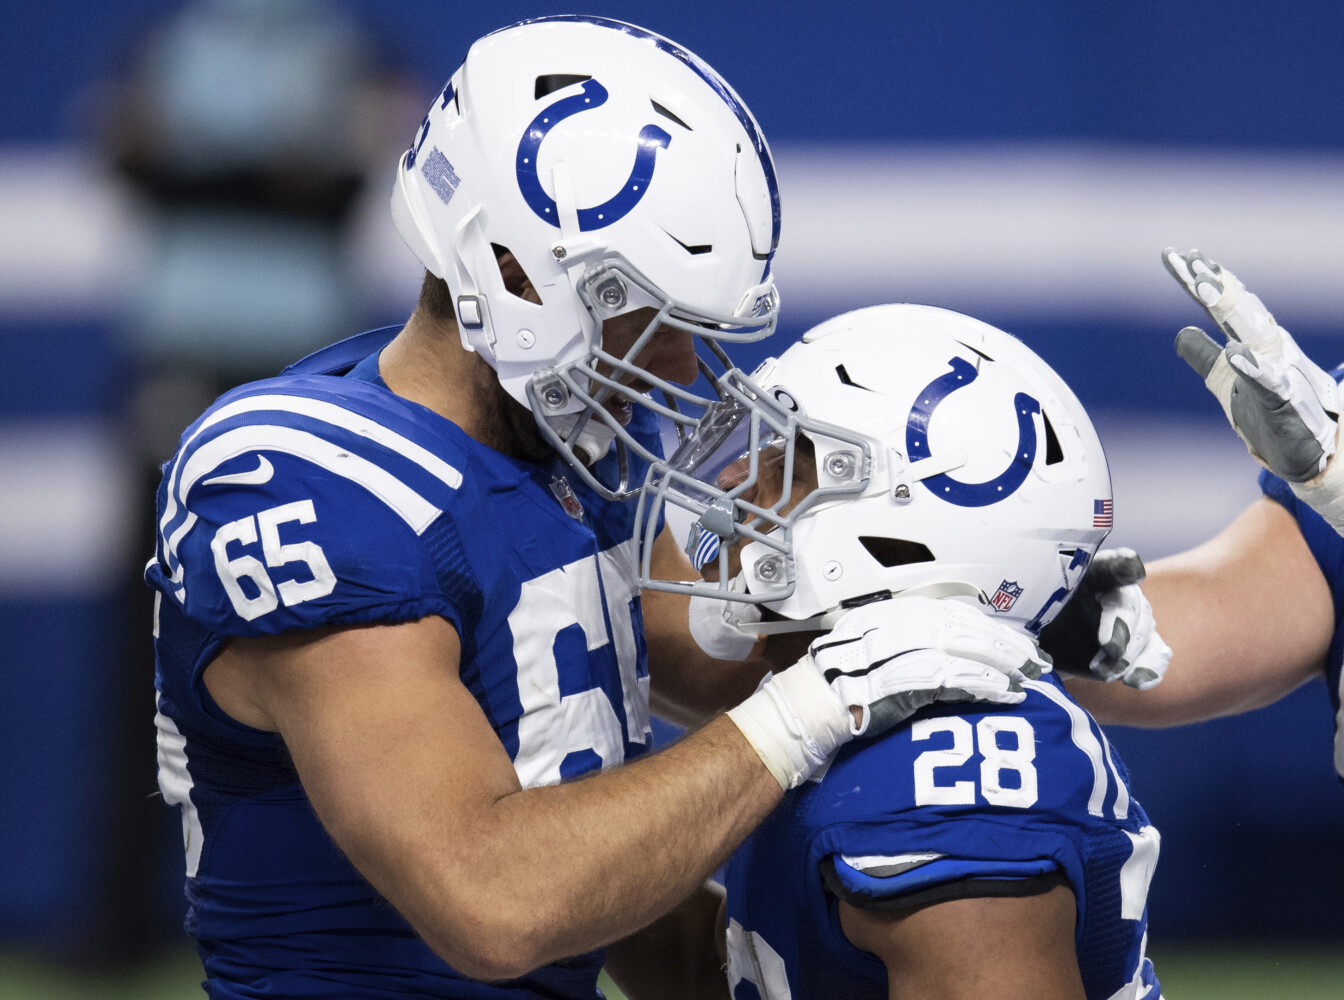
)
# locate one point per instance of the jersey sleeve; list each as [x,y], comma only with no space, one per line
[1325,544]
[904,880]
[268,526]
[972,801]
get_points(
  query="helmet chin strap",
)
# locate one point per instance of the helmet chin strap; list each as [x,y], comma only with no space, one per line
[593,440]
[827,620]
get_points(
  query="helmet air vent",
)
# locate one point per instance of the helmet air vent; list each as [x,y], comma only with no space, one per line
[669,115]
[516,281]
[972,347]
[694,249]
[1053,452]
[846,380]
[891,552]
[552,82]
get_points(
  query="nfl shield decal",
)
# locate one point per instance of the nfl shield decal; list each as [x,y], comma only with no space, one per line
[562,492]
[1006,596]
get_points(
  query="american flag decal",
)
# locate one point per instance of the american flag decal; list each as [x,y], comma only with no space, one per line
[1103,514]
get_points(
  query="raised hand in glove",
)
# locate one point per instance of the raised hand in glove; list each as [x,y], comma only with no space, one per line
[885,661]
[1283,405]
[1107,630]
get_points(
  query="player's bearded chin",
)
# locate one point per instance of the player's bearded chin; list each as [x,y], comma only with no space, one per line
[510,427]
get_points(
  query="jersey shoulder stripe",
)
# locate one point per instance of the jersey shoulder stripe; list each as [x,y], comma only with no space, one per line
[355,431]
[1092,742]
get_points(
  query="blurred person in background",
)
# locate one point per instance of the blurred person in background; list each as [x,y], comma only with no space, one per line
[401,644]
[248,126]
[246,129]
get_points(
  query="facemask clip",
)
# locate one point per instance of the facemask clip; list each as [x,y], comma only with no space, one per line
[707,534]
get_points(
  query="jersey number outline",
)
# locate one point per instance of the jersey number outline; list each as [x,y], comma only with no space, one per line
[752,960]
[995,759]
[563,734]
[265,526]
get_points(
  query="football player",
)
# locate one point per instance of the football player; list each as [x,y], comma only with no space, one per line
[980,850]
[1286,410]
[398,602]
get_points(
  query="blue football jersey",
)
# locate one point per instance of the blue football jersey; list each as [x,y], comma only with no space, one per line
[322,498]
[994,794]
[1327,547]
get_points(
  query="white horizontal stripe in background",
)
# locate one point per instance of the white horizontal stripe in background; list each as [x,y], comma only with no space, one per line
[1017,231]
[1036,230]
[64,507]
[64,496]
[68,234]
[1040,232]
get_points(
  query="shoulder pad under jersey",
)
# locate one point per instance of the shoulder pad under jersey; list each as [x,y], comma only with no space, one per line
[301,501]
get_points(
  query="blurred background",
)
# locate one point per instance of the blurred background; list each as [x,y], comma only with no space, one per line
[193,194]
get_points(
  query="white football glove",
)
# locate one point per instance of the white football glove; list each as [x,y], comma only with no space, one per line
[1283,405]
[888,659]
[1107,629]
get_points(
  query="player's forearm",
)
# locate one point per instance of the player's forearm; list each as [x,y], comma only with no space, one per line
[564,869]
[411,781]
[1248,617]
[1209,675]
[697,688]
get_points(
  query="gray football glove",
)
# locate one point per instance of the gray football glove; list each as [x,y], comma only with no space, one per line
[1107,630]
[1283,406]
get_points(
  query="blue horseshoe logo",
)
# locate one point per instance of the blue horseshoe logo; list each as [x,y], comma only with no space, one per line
[944,487]
[593,95]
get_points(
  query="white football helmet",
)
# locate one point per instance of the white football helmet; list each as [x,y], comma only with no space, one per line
[949,458]
[621,172]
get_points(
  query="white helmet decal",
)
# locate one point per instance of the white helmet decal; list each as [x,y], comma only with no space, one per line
[594,95]
[943,486]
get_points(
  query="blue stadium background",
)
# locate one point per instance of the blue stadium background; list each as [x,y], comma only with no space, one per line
[1024,163]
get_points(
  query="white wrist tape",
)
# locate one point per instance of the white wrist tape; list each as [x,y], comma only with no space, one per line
[1325,492]
[794,722]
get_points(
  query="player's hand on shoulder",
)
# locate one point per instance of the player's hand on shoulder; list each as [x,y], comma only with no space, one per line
[1107,631]
[882,663]
[891,658]
[1282,404]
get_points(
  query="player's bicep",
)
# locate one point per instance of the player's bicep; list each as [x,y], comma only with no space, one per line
[394,753]
[1012,948]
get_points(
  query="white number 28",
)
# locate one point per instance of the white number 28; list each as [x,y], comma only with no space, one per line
[995,760]
[266,526]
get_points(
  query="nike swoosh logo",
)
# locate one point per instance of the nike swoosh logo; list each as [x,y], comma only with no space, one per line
[254,477]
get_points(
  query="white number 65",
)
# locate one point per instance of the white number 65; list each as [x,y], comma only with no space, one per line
[266,525]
